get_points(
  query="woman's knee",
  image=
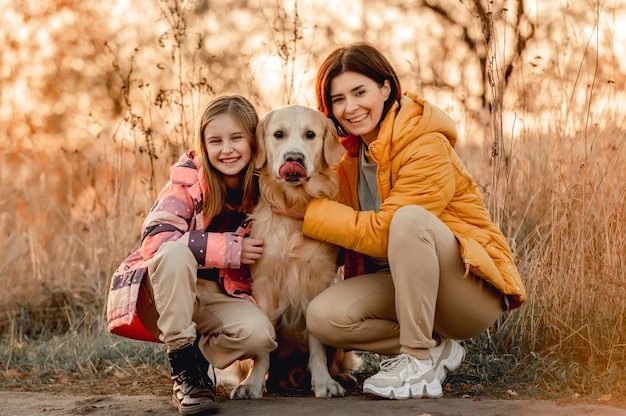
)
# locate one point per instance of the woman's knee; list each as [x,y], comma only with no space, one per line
[410,224]
[318,319]
[409,217]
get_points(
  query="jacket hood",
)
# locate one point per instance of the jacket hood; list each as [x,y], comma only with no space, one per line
[414,117]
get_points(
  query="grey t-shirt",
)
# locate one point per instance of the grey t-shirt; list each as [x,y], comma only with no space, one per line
[369,200]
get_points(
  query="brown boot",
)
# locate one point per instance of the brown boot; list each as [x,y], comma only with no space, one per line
[190,394]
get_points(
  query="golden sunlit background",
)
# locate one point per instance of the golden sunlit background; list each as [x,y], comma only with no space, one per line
[99,98]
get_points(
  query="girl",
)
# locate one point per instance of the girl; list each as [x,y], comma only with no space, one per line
[194,257]
[431,265]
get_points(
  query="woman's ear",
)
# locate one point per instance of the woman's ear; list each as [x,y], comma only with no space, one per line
[386,88]
[333,149]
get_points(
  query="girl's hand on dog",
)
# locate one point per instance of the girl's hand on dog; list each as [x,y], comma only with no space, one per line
[251,250]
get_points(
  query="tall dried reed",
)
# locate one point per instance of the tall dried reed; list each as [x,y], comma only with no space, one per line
[559,195]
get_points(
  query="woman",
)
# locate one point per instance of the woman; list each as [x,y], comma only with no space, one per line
[431,267]
[196,257]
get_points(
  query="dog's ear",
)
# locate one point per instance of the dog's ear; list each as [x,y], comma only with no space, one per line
[333,149]
[261,153]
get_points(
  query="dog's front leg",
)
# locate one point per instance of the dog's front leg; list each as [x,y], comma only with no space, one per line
[322,383]
[254,385]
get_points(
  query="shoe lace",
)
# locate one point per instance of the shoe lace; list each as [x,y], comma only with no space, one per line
[395,363]
[206,379]
[186,381]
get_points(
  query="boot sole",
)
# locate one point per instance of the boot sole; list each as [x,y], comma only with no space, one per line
[202,408]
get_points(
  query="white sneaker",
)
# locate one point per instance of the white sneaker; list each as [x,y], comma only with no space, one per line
[403,377]
[447,357]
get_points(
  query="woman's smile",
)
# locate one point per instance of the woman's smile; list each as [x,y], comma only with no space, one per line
[358,118]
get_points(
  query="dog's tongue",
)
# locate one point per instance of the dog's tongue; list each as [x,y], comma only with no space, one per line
[291,171]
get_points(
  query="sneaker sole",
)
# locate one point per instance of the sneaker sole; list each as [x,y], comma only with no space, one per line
[406,391]
[451,363]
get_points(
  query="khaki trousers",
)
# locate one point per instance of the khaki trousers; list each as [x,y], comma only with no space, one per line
[403,311]
[230,328]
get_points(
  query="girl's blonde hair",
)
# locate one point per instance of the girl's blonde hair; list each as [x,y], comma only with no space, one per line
[243,110]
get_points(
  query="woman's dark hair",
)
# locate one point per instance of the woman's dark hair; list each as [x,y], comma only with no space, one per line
[362,58]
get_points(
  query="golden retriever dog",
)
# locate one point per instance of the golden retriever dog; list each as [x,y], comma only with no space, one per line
[297,147]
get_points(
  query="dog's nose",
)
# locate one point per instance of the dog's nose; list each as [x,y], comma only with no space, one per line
[294,157]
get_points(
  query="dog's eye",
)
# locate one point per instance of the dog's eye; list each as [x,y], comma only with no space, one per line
[278,134]
[310,135]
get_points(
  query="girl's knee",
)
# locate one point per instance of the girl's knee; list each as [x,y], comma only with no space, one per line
[259,334]
[260,341]
[175,250]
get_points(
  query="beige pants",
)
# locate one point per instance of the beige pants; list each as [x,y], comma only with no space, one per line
[230,328]
[423,296]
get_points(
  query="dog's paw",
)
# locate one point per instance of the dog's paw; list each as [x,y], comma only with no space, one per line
[246,391]
[328,388]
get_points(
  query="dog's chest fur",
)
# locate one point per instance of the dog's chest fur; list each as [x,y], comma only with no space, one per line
[292,270]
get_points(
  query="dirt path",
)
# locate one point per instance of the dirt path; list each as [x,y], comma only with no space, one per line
[29,404]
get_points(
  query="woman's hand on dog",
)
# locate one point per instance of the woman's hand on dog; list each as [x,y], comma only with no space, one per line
[251,250]
[293,212]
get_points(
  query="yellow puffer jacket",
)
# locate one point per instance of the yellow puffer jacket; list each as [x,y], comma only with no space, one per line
[417,165]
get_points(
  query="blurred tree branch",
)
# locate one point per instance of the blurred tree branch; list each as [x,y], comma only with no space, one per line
[520,25]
